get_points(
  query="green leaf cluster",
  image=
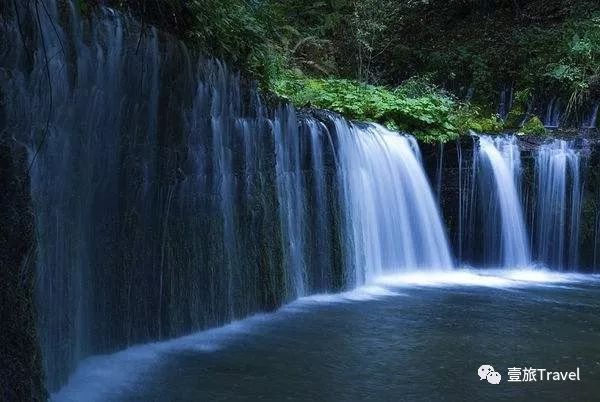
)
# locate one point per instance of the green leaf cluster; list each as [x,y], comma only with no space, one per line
[534,126]
[415,107]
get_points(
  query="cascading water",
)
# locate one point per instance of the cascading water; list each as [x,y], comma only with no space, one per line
[558,210]
[467,207]
[592,120]
[553,113]
[439,172]
[505,235]
[494,204]
[391,210]
[324,256]
[505,103]
[169,199]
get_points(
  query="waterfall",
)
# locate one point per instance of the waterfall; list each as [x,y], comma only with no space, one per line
[467,204]
[591,122]
[439,170]
[393,213]
[553,113]
[505,103]
[558,211]
[494,202]
[320,181]
[291,198]
[167,197]
[505,235]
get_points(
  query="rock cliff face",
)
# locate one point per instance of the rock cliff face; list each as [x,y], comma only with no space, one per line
[448,166]
[20,360]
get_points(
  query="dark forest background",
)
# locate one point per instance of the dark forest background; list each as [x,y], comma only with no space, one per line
[436,68]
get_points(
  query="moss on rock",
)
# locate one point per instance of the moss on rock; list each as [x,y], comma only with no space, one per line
[534,126]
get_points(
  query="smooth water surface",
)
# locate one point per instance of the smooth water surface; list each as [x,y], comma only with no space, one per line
[409,337]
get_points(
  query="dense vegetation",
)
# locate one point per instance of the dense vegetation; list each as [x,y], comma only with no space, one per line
[434,67]
[414,106]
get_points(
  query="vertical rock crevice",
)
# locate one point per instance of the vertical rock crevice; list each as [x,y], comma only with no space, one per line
[21,375]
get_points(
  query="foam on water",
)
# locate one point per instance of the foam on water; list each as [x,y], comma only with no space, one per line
[364,293]
[101,378]
[108,377]
[496,278]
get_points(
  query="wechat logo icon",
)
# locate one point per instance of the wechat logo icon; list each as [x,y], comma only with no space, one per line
[487,372]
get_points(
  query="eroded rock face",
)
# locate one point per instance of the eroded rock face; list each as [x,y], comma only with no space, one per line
[20,362]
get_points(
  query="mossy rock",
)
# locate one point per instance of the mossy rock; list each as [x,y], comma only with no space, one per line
[534,126]
[515,118]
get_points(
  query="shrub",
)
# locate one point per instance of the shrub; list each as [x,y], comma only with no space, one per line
[415,107]
[534,126]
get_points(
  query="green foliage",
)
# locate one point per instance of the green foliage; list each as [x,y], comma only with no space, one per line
[238,31]
[567,56]
[540,46]
[415,107]
[534,126]
[470,48]
[518,110]
[470,117]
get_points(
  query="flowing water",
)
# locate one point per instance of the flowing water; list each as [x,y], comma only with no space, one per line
[170,199]
[505,103]
[410,337]
[553,113]
[558,212]
[165,201]
[592,120]
[504,227]
[393,214]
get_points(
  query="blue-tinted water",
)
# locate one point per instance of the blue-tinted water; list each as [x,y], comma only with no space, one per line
[419,337]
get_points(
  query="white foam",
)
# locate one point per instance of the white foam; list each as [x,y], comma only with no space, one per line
[496,278]
[363,293]
[108,377]
[105,377]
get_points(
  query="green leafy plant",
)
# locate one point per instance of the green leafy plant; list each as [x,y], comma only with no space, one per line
[415,107]
[534,126]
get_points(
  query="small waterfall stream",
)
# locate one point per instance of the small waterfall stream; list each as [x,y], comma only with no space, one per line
[500,172]
[558,212]
[591,122]
[553,113]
